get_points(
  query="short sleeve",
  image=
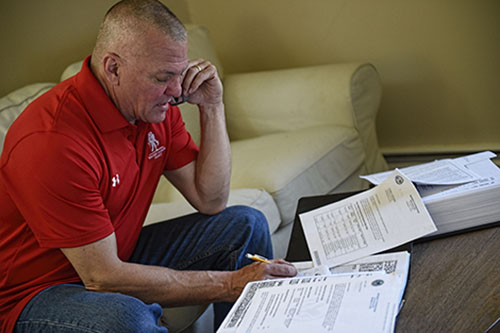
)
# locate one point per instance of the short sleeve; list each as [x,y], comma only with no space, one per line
[183,149]
[54,182]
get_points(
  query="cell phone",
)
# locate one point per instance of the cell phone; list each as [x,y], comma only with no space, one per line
[179,100]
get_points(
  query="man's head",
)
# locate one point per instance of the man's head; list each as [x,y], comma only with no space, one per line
[139,58]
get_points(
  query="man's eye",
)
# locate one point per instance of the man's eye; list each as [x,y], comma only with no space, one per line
[163,78]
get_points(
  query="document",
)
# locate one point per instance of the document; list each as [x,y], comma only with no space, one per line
[388,263]
[307,268]
[336,303]
[440,172]
[489,176]
[461,206]
[378,219]
[392,262]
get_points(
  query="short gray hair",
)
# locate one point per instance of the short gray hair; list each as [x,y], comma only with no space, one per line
[131,18]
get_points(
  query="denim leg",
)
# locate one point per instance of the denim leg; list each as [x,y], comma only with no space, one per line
[203,242]
[193,242]
[72,308]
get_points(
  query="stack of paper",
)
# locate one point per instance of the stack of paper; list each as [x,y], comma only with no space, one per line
[363,296]
[459,193]
[345,288]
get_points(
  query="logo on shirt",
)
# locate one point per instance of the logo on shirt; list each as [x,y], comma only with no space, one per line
[154,144]
[115,180]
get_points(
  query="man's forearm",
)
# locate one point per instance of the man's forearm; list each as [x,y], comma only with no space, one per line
[166,286]
[101,270]
[213,167]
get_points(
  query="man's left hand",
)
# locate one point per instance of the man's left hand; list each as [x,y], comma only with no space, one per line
[202,83]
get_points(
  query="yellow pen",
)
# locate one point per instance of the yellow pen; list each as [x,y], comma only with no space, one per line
[256,257]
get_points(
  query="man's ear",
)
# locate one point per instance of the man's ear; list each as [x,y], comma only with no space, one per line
[111,63]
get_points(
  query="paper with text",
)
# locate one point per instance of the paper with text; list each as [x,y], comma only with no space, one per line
[378,219]
[440,172]
[489,175]
[392,262]
[388,263]
[318,304]
[307,268]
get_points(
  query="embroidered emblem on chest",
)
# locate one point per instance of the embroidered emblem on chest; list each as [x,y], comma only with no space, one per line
[154,144]
[115,180]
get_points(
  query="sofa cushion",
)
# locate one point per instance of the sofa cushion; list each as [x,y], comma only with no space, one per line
[256,198]
[291,165]
[15,102]
[71,70]
[201,46]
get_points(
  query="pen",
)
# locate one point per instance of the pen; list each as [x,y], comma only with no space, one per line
[256,257]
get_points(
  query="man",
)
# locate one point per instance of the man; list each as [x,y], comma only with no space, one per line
[77,174]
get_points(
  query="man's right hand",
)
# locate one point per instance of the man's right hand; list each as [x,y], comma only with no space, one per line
[257,271]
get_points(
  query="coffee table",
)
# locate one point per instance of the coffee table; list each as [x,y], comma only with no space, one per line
[454,283]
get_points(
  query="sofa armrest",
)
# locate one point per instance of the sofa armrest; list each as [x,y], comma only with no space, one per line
[346,95]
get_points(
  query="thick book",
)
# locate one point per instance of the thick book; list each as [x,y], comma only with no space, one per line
[461,194]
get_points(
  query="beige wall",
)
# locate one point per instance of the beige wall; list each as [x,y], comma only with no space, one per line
[40,38]
[439,60]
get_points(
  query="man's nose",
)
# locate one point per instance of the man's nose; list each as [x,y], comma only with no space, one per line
[174,88]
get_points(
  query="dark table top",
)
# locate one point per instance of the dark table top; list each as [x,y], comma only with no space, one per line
[454,284]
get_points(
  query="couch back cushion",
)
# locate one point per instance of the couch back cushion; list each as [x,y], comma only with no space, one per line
[15,102]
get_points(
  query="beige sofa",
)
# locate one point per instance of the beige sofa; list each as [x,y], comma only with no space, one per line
[294,133]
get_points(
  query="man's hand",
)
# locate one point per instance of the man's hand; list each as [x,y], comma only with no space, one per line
[277,269]
[202,84]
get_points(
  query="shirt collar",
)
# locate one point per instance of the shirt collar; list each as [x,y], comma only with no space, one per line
[100,107]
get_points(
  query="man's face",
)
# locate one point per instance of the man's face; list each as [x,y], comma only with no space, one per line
[150,80]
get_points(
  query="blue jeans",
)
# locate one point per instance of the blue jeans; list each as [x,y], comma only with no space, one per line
[193,242]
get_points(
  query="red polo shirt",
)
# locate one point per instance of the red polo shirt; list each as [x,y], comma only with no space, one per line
[73,171]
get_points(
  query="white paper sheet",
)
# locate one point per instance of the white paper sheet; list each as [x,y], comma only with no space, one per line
[318,304]
[388,263]
[440,172]
[392,262]
[489,175]
[384,217]
[307,268]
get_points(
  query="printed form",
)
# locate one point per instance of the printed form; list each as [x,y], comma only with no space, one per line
[441,172]
[487,170]
[376,220]
[324,303]
[391,262]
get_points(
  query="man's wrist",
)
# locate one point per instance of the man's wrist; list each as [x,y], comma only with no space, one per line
[211,106]
[225,286]
[211,111]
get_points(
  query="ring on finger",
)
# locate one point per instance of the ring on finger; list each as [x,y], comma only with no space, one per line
[198,67]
